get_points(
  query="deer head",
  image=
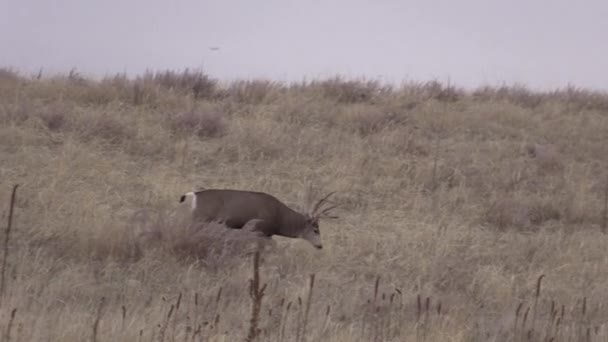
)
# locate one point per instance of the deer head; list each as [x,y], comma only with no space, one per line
[311,231]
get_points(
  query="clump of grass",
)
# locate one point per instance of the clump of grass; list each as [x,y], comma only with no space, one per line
[509,212]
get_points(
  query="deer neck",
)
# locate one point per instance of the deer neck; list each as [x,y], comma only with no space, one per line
[292,224]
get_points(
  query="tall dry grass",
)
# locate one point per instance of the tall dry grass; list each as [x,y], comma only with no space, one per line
[466,215]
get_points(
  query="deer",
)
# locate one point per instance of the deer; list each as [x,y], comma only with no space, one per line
[259,212]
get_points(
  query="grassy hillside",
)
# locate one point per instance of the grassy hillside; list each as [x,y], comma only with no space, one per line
[465,216]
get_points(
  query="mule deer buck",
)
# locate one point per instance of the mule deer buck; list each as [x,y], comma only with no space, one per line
[259,212]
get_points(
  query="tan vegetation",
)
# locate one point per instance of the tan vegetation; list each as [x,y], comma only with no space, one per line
[466,215]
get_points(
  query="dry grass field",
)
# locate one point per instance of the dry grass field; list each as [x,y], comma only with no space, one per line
[465,215]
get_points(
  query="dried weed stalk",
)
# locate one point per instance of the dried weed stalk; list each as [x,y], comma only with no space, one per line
[256,292]
[7,234]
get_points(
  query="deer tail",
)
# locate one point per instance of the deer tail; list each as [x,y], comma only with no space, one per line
[189,194]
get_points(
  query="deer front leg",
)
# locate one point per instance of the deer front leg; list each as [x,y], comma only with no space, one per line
[260,229]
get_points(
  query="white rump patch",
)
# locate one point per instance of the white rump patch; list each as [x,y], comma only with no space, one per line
[193,203]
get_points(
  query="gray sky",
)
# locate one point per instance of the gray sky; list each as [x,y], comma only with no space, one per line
[541,43]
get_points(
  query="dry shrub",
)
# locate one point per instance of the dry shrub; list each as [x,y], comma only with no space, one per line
[7,74]
[349,91]
[252,91]
[581,99]
[571,98]
[412,93]
[547,157]
[443,177]
[199,84]
[54,117]
[253,146]
[307,111]
[53,120]
[100,94]
[517,94]
[18,112]
[76,78]
[212,244]
[106,127]
[205,122]
[399,141]
[111,130]
[204,88]
[368,120]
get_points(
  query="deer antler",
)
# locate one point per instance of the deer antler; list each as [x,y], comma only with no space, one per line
[320,203]
[324,213]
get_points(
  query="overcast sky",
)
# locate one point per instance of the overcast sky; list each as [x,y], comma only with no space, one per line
[540,43]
